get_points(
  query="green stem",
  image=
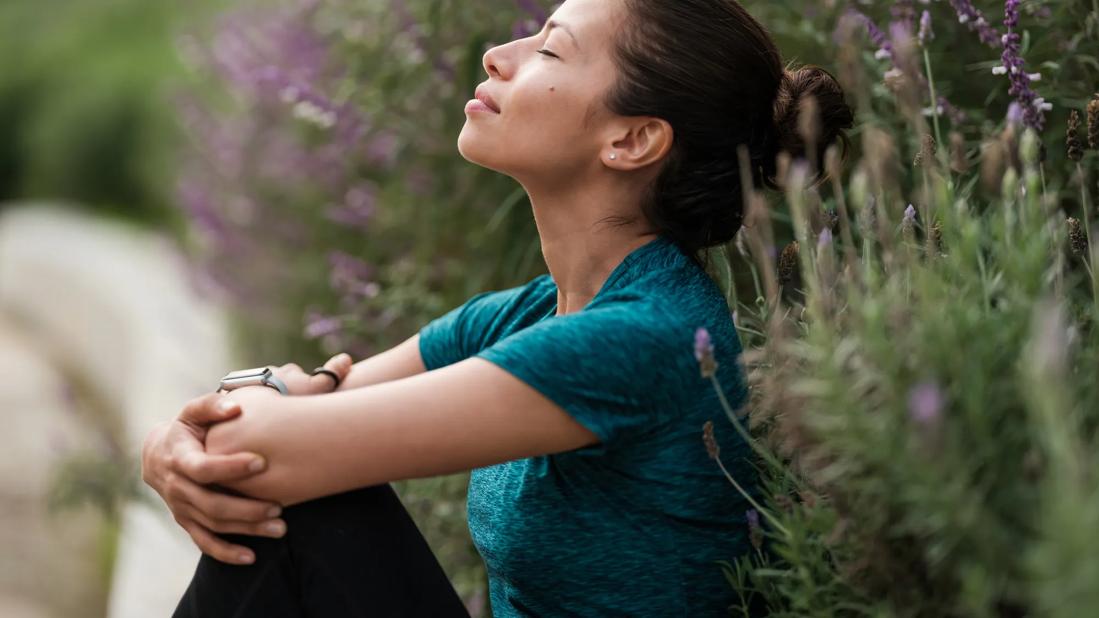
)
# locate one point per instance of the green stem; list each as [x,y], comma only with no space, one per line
[941,150]
[752,442]
[757,506]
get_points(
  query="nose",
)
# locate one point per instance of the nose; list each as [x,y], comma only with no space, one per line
[492,61]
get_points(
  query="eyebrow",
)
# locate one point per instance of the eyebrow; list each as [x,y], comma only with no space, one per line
[551,24]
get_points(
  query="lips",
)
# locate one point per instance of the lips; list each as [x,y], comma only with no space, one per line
[485,98]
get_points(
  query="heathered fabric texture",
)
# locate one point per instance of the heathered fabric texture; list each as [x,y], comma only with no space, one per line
[630,526]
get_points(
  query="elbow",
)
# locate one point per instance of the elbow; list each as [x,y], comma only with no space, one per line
[246,434]
[228,437]
[238,435]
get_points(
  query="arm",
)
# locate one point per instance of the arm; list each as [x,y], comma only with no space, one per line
[463,416]
[400,361]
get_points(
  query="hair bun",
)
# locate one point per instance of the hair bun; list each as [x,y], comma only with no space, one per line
[794,132]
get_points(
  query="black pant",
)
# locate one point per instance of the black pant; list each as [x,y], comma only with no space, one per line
[353,554]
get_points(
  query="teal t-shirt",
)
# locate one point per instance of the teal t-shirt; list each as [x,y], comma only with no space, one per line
[631,526]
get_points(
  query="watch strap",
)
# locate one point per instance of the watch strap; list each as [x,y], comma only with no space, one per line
[274,382]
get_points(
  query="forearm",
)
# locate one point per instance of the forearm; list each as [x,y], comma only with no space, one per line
[400,361]
[323,444]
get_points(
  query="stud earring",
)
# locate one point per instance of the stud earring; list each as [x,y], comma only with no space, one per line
[613,156]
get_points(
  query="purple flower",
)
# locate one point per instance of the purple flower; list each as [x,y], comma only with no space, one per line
[703,345]
[825,239]
[318,325]
[704,352]
[926,33]
[351,276]
[358,208]
[925,403]
[1014,114]
[975,21]
[877,37]
[901,30]
[1032,105]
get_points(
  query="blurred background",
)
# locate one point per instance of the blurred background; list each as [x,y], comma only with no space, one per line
[188,188]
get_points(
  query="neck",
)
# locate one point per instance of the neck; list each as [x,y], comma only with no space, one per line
[580,244]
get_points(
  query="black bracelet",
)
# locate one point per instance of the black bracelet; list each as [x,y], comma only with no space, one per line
[330,373]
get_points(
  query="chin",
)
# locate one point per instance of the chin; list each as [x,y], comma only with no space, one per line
[473,149]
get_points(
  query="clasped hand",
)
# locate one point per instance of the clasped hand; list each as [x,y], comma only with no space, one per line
[175,464]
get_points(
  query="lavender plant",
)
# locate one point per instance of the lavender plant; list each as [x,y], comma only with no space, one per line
[919,402]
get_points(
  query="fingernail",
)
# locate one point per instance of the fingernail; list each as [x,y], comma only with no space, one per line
[276,528]
[225,405]
[274,512]
[256,465]
[246,558]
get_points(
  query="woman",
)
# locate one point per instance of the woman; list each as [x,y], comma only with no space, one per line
[575,399]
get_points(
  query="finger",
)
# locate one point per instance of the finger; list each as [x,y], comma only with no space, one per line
[273,528]
[220,506]
[340,363]
[292,367]
[209,408]
[322,383]
[201,467]
[217,548]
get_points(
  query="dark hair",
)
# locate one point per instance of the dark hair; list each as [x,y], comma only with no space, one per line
[714,74]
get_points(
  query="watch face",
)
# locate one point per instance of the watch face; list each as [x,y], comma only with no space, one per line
[247,373]
[245,377]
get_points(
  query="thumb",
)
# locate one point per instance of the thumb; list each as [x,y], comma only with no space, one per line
[208,409]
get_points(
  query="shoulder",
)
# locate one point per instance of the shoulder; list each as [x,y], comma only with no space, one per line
[669,301]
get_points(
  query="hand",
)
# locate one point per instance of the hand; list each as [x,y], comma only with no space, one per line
[175,464]
[300,383]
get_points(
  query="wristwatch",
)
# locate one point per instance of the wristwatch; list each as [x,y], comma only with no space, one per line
[259,376]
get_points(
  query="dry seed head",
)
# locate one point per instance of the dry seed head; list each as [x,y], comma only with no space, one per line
[993,162]
[782,167]
[809,119]
[708,439]
[895,81]
[908,224]
[1093,123]
[1077,240]
[788,263]
[958,161]
[832,162]
[881,157]
[937,235]
[927,151]
[1072,137]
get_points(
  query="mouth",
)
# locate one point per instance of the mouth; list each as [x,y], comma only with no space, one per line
[485,98]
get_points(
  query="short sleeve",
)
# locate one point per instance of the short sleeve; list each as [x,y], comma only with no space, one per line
[466,329]
[619,371]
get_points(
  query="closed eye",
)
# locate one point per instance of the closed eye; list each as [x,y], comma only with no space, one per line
[546,52]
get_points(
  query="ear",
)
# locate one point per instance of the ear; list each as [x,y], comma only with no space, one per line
[646,140]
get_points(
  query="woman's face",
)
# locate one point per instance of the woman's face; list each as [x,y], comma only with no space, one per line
[548,88]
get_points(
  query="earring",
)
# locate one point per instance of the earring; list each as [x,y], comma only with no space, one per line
[613,156]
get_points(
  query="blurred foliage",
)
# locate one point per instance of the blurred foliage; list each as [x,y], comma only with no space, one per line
[84,115]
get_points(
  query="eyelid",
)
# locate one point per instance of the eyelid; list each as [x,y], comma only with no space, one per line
[546,52]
